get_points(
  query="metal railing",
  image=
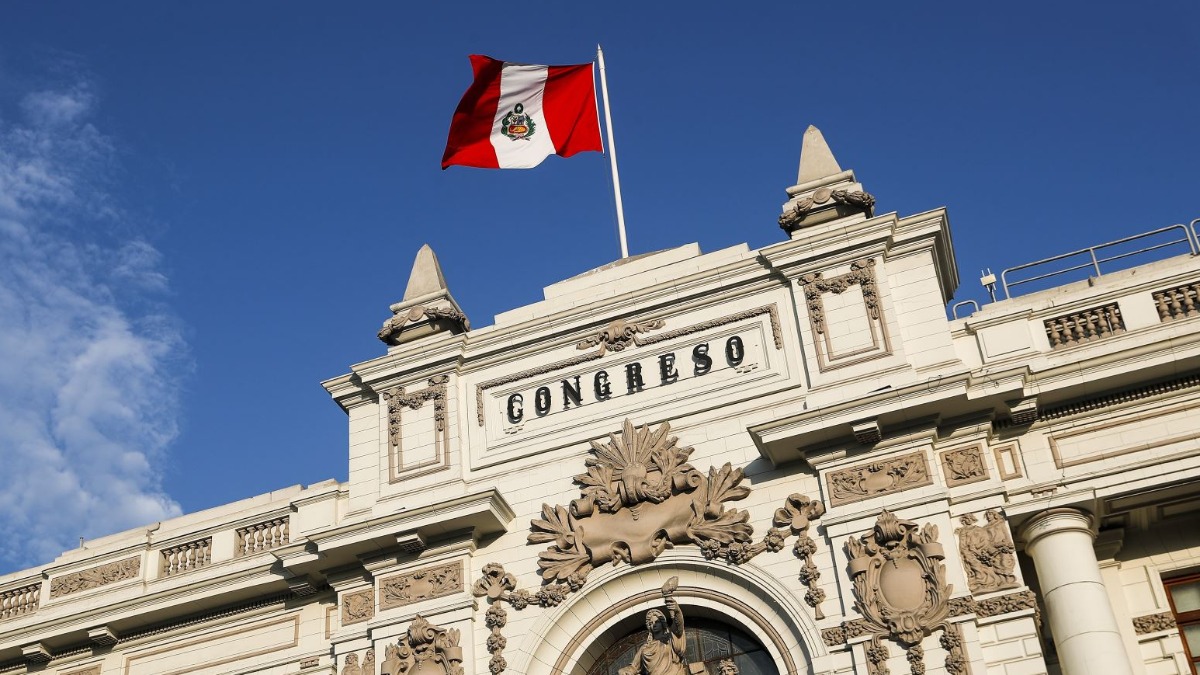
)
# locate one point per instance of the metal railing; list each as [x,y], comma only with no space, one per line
[954,308]
[1094,260]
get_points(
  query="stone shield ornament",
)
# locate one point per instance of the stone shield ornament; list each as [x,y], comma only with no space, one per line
[638,497]
[899,580]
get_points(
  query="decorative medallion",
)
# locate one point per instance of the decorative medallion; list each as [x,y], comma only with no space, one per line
[879,477]
[900,585]
[639,496]
[988,554]
[424,649]
[517,125]
[418,585]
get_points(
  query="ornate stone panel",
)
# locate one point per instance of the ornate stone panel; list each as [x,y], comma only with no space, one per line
[987,551]
[961,466]
[1154,623]
[401,466]
[90,670]
[1005,604]
[423,584]
[358,606]
[878,477]
[639,496]
[828,339]
[95,577]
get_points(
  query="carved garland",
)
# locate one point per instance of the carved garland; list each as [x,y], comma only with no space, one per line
[793,217]
[900,586]
[861,273]
[397,400]
[770,310]
[393,326]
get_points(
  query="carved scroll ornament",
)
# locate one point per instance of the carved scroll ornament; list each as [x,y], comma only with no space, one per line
[619,334]
[424,649]
[639,496]
[418,585]
[879,477]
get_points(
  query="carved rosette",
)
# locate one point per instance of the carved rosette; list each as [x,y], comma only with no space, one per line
[900,584]
[639,496]
[424,649]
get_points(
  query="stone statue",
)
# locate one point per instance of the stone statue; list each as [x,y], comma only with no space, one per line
[665,650]
[727,667]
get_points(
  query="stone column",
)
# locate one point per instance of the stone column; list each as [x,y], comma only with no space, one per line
[1080,615]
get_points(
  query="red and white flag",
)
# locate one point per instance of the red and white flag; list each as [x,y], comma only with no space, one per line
[515,115]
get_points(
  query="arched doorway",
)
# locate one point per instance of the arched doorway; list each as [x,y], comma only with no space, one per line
[709,642]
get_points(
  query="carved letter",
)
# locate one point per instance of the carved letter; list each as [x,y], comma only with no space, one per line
[666,369]
[735,351]
[516,408]
[571,394]
[702,360]
[633,377]
[602,387]
[541,400]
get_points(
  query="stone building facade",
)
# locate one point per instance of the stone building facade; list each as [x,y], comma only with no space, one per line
[784,460]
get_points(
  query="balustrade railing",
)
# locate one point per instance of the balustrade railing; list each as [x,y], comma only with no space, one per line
[262,536]
[1086,325]
[20,601]
[186,557]
[1178,302]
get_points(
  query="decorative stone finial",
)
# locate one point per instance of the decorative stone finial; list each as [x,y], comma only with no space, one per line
[427,306]
[816,159]
[426,276]
[823,191]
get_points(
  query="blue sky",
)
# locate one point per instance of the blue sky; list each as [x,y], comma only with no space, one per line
[206,208]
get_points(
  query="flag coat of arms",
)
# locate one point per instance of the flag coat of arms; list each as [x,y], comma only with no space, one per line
[514,115]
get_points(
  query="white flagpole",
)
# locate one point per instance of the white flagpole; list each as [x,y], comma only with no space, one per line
[612,154]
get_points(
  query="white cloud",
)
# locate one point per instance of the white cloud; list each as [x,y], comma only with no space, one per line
[89,354]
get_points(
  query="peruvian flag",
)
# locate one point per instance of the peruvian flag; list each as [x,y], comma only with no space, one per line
[515,115]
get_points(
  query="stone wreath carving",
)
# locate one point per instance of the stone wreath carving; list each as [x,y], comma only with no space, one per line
[988,553]
[794,217]
[619,334]
[390,332]
[900,586]
[424,649]
[638,497]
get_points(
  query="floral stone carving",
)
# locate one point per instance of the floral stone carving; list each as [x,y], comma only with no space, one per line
[878,477]
[988,553]
[424,649]
[900,583]
[619,334]
[639,496]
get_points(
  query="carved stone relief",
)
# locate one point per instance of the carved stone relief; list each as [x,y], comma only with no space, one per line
[1154,623]
[640,495]
[424,649]
[90,670]
[665,650]
[397,400]
[988,553]
[418,585]
[964,465]
[95,577]
[862,275]
[358,606]
[900,585]
[771,310]
[878,477]
[619,334]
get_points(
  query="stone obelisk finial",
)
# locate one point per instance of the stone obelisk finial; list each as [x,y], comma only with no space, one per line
[427,306]
[823,191]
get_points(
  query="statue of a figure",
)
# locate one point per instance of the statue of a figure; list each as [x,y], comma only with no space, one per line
[665,650]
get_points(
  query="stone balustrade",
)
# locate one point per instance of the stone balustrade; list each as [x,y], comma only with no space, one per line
[186,557]
[19,601]
[1083,326]
[262,536]
[1178,302]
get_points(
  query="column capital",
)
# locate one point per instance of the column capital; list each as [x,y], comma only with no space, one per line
[1052,521]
